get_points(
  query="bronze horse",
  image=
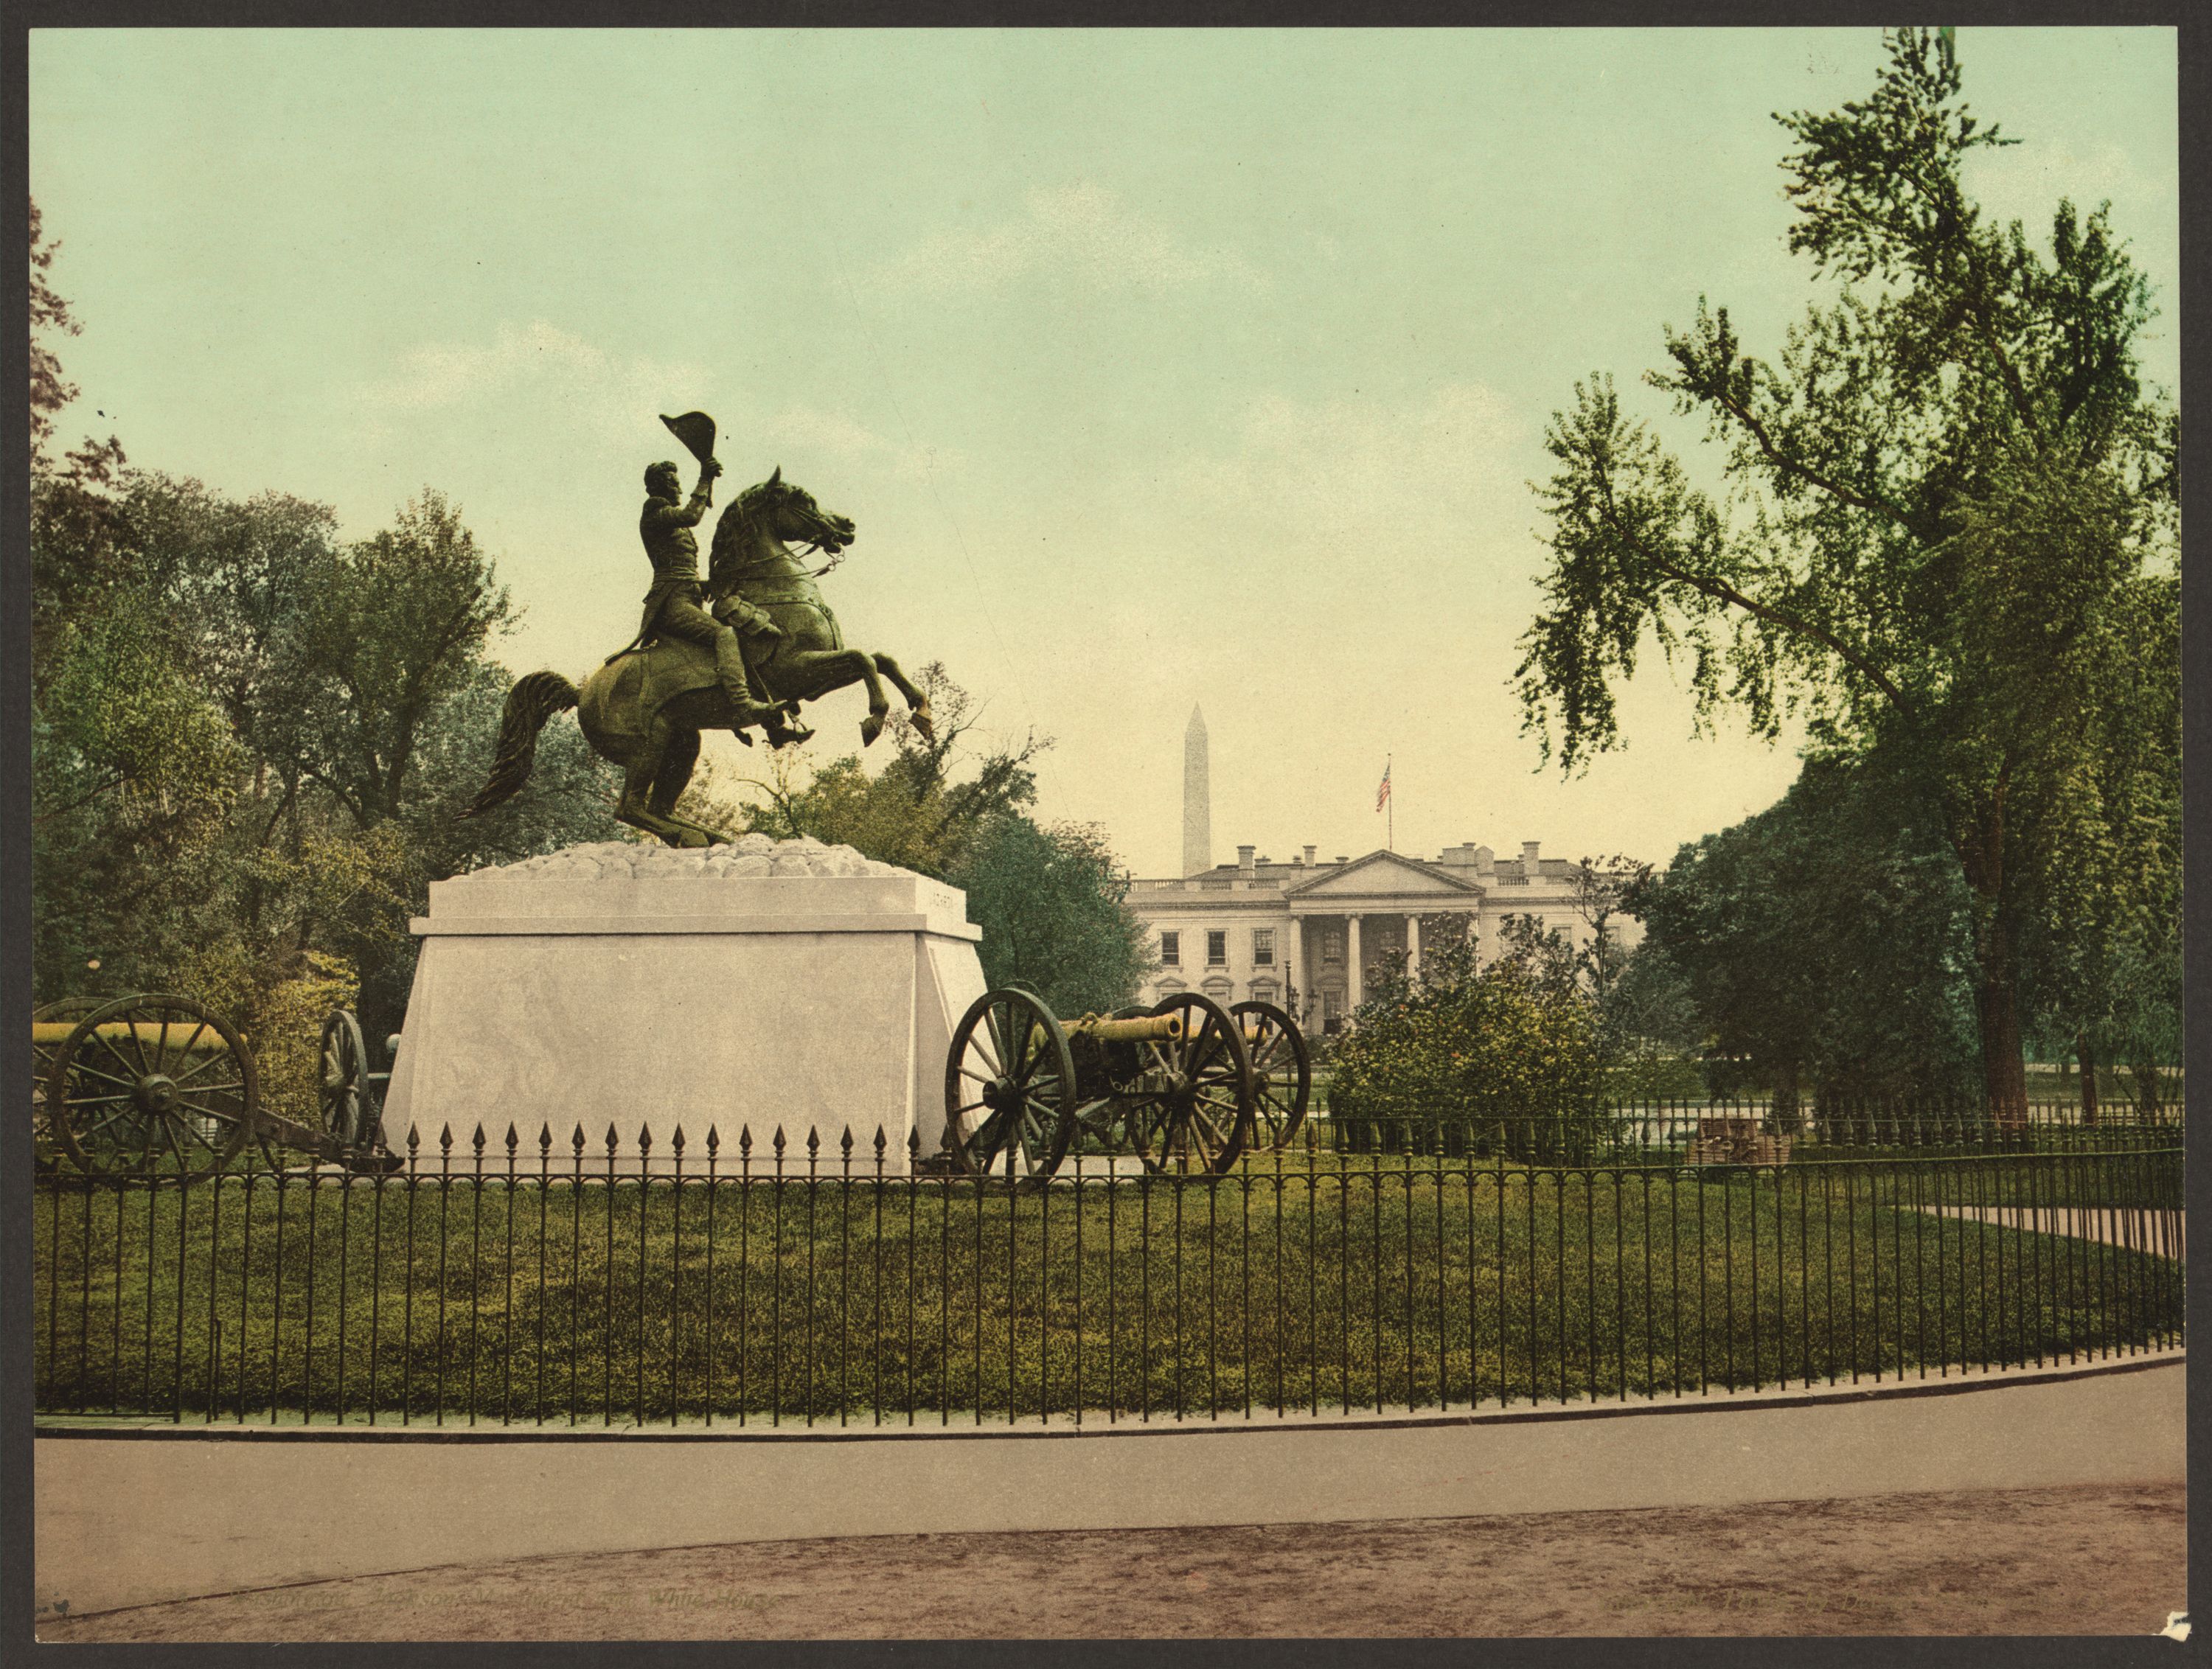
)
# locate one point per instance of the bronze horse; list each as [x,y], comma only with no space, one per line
[644,709]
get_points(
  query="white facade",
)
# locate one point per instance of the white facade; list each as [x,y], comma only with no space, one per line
[1316,933]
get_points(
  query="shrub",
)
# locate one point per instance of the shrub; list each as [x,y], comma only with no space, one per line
[1507,1057]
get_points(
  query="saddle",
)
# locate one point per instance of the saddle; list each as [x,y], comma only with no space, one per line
[656,671]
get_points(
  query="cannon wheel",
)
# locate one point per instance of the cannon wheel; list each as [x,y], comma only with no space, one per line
[51,1016]
[1193,1107]
[153,1085]
[344,1105]
[1009,1087]
[1283,1067]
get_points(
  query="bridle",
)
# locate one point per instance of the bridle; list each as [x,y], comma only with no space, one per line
[756,502]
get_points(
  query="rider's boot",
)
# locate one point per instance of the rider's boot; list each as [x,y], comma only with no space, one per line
[746,706]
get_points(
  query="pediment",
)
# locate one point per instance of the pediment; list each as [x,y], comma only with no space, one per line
[1388,874]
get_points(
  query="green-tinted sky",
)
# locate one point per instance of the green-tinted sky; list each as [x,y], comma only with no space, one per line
[1156,367]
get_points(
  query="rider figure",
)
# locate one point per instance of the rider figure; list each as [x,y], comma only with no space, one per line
[674,607]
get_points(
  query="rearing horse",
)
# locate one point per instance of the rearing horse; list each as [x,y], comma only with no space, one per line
[644,708]
[751,560]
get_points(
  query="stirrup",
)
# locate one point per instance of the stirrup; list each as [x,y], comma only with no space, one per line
[750,712]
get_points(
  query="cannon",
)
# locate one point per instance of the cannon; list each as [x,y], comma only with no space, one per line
[158,1085]
[1187,1085]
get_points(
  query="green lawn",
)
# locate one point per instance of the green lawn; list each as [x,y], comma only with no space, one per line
[1369,1285]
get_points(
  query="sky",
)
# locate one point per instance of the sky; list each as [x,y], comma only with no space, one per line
[1158,369]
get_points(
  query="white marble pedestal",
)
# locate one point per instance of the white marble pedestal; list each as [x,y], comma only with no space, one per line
[759,985]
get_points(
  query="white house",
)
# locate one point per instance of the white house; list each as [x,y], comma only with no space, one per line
[1315,932]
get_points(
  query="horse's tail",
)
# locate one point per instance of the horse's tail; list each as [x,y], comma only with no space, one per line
[536,697]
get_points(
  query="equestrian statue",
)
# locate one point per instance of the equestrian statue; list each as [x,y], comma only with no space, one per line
[742,649]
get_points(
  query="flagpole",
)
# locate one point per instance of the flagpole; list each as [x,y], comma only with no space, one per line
[1390,825]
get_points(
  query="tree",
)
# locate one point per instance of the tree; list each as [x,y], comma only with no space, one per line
[249,737]
[1941,495]
[249,741]
[2104,953]
[1650,1024]
[1826,938]
[1052,902]
[1603,888]
[49,393]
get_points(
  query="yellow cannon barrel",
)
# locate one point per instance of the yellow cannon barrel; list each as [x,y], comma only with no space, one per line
[1144,1028]
[53,1033]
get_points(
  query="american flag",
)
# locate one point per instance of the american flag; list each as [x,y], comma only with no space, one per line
[1383,794]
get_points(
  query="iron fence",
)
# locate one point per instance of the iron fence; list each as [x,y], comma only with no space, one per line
[1640,1131]
[525,1280]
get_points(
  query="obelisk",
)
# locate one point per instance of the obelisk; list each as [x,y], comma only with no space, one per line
[1197,799]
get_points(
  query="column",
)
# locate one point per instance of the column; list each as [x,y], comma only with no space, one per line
[1355,976]
[1412,944]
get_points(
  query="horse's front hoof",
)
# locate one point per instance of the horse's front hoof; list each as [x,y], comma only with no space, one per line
[870,728]
[922,726]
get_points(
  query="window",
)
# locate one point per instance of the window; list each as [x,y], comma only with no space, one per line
[1332,1005]
[1263,947]
[1332,944]
[1170,950]
[1217,949]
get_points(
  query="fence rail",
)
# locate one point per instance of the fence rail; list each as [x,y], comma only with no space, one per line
[497,1281]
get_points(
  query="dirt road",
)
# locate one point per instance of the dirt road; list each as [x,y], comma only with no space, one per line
[2087,1560]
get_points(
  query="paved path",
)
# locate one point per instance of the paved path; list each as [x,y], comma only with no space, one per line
[2161,1234]
[2090,1559]
[129,1519]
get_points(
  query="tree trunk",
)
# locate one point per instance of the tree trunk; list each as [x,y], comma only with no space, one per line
[2004,1066]
[1785,1120]
[2088,1059]
[2146,1088]
[1980,847]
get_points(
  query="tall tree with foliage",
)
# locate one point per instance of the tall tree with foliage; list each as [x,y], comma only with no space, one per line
[2105,950]
[249,740]
[1052,901]
[1946,493]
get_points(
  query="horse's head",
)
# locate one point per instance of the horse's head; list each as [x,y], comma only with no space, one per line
[789,513]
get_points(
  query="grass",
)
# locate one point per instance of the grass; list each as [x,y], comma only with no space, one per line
[1370,1283]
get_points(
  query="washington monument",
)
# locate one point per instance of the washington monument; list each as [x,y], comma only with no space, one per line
[1197,799]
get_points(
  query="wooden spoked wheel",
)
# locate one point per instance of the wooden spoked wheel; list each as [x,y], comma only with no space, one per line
[340,1100]
[153,1085]
[1283,1068]
[1191,1109]
[51,1025]
[1009,1087]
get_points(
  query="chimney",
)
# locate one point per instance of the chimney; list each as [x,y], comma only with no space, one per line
[1485,861]
[1245,865]
[1310,853]
[1529,850]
